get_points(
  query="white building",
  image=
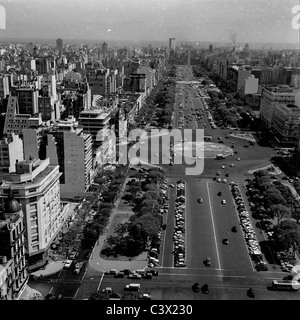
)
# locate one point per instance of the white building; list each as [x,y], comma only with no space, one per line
[35,184]
[11,150]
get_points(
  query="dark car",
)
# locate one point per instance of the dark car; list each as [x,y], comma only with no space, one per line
[251,293]
[225,241]
[154,272]
[148,275]
[234,229]
[126,272]
[204,288]
[119,275]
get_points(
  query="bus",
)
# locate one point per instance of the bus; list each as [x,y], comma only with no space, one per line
[285,285]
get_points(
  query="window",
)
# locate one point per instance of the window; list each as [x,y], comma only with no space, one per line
[32,190]
[35,247]
[35,238]
[34,230]
[33,223]
[32,199]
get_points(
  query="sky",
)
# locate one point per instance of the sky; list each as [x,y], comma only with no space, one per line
[152,20]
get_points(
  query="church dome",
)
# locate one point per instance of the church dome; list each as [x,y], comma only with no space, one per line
[12,206]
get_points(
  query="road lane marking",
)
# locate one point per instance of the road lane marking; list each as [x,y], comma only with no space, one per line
[213,225]
[100,281]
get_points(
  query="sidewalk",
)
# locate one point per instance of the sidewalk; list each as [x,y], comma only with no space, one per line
[51,268]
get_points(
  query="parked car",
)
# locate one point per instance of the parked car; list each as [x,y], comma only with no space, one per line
[78,267]
[67,264]
[73,255]
[134,276]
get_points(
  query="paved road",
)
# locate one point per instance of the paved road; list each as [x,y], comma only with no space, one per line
[230,273]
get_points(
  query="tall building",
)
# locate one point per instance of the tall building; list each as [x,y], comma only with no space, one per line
[97,122]
[236,75]
[67,146]
[27,98]
[11,150]
[172,44]
[104,49]
[35,184]
[272,96]
[59,45]
[16,122]
[13,267]
[210,48]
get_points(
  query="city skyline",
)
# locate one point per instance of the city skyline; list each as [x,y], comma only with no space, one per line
[137,20]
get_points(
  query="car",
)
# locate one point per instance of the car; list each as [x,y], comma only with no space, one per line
[148,275]
[67,264]
[234,229]
[154,272]
[225,241]
[171,185]
[73,255]
[107,290]
[251,293]
[207,261]
[223,201]
[238,159]
[218,173]
[111,272]
[120,274]
[204,288]
[134,276]
[200,200]
[289,277]
[78,267]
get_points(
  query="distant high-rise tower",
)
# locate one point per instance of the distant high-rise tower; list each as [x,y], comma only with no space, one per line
[189,58]
[172,43]
[59,45]
[104,49]
[210,48]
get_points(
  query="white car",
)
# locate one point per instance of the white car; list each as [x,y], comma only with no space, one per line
[68,264]
[223,201]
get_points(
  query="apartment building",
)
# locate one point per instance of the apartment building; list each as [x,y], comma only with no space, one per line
[271,96]
[13,266]
[11,150]
[236,75]
[96,121]
[35,185]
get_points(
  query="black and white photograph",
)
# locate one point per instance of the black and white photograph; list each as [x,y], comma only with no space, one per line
[149,151]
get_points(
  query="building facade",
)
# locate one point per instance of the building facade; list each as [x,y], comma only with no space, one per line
[35,184]
[13,266]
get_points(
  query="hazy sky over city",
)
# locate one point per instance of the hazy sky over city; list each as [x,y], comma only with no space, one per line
[185,20]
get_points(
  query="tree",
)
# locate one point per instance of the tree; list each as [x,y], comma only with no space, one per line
[296,214]
[279,211]
[144,227]
[273,196]
[155,176]
[100,296]
[287,236]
